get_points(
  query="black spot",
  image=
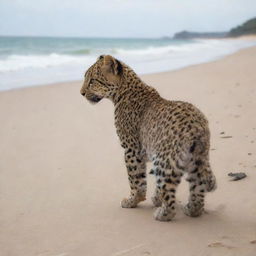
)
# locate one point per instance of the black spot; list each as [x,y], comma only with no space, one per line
[172,190]
[151,171]
[192,149]
[156,171]
[168,180]
[177,182]
[141,175]
[119,98]
[174,175]
[156,163]
[129,151]
[193,188]
[124,145]
[167,197]
[130,168]
[198,162]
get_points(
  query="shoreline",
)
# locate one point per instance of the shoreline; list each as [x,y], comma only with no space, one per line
[29,77]
[63,173]
[141,75]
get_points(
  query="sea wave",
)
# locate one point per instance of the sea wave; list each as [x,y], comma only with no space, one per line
[15,62]
[18,70]
[151,50]
[194,46]
[19,62]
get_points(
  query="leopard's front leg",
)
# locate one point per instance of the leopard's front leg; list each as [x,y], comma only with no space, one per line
[136,169]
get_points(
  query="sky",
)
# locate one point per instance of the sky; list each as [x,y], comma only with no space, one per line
[120,18]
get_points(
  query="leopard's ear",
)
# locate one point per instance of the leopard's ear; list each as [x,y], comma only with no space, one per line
[112,65]
[101,57]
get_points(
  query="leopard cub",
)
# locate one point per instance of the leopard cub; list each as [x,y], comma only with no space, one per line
[174,135]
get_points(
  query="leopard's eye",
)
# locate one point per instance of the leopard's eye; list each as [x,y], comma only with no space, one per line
[91,82]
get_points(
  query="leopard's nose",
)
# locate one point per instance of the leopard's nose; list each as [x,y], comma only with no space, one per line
[82,93]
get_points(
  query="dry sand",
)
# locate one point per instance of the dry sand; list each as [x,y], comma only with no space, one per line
[62,174]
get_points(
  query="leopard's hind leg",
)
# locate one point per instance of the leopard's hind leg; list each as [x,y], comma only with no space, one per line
[201,180]
[167,179]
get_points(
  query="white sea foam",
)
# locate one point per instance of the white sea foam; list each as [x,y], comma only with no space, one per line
[19,62]
[19,70]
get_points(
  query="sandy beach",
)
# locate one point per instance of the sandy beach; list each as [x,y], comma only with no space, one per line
[63,175]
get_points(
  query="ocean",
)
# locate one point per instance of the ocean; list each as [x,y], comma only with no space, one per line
[31,61]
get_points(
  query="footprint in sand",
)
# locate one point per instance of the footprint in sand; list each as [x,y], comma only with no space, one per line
[220,245]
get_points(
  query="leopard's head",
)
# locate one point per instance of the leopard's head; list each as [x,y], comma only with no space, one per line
[101,80]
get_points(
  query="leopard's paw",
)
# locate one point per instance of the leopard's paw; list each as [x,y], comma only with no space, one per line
[163,214]
[129,203]
[193,210]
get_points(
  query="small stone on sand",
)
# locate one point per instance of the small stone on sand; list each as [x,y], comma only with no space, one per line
[237,176]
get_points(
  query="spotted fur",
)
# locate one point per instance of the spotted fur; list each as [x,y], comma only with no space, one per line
[173,135]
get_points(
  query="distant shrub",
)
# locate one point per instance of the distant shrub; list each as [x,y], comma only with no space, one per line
[247,28]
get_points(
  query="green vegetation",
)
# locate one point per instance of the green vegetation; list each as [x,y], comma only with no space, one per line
[193,35]
[247,28]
